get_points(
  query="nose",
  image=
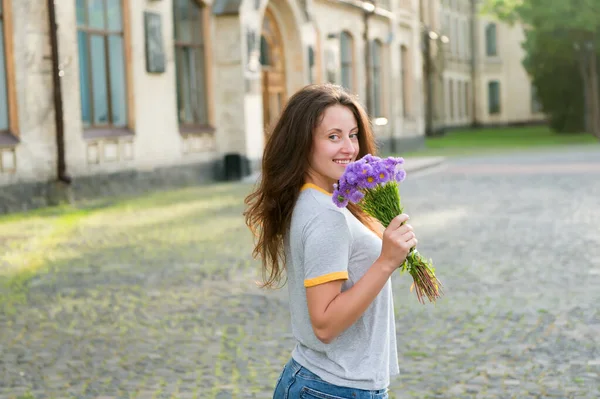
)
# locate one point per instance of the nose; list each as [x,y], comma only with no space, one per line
[348,146]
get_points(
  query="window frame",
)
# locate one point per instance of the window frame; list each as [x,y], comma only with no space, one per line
[208,127]
[9,137]
[109,130]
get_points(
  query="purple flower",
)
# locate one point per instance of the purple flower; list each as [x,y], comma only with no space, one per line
[356,196]
[365,174]
[400,175]
[364,170]
[338,198]
[370,158]
[382,172]
[369,180]
[396,161]
[350,176]
[340,201]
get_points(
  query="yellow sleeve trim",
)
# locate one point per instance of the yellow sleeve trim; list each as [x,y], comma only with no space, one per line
[311,282]
[314,186]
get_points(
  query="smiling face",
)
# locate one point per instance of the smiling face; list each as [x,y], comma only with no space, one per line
[334,145]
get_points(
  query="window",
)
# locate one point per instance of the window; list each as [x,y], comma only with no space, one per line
[469,38]
[461,38]
[347,60]
[466,98]
[536,105]
[4,123]
[190,62]
[451,95]
[459,94]
[466,38]
[494,97]
[404,62]
[454,35]
[490,40]
[377,78]
[102,63]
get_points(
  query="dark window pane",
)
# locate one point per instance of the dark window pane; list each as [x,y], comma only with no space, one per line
[99,80]
[0,8]
[347,77]
[377,86]
[184,83]
[96,14]
[183,31]
[346,47]
[3,89]
[265,58]
[118,89]
[377,93]
[84,78]
[196,22]
[494,97]
[201,114]
[114,15]
[346,59]
[189,68]
[81,20]
[404,73]
[376,55]
[451,94]
[490,39]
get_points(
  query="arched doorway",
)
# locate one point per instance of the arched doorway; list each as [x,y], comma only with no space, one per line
[273,69]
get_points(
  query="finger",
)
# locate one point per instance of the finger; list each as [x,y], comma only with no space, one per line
[401,231]
[407,236]
[397,221]
[405,228]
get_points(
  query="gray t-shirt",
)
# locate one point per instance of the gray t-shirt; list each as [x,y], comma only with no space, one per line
[327,243]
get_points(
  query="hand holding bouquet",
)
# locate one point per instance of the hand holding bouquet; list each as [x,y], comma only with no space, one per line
[373,184]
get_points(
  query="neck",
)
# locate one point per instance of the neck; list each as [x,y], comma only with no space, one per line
[320,182]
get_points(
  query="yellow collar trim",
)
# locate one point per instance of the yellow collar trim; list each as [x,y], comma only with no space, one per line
[314,186]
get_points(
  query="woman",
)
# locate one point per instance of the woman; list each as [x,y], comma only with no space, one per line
[337,262]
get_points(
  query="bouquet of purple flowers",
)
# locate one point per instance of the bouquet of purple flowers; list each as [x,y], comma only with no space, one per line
[373,184]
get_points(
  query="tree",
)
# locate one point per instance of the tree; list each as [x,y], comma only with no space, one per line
[562,46]
[556,79]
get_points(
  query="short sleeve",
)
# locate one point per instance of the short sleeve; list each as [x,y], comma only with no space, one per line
[327,241]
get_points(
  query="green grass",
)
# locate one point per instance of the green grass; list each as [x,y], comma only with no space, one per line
[494,140]
[127,229]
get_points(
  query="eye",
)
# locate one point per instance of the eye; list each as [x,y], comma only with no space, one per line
[354,135]
[334,137]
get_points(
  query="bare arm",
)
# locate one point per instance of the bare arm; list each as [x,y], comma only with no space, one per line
[332,311]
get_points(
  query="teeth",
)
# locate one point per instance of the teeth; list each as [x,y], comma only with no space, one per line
[342,162]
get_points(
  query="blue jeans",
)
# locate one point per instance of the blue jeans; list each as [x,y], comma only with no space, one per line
[297,382]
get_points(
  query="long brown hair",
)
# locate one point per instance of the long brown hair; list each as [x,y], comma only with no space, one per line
[284,167]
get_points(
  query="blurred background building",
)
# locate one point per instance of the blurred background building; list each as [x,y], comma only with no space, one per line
[105,96]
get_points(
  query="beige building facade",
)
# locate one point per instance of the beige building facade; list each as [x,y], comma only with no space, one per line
[168,92]
[477,77]
[128,95]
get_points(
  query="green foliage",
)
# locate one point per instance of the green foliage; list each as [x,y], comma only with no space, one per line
[556,77]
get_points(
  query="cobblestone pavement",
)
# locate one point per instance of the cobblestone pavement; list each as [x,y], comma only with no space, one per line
[154,298]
